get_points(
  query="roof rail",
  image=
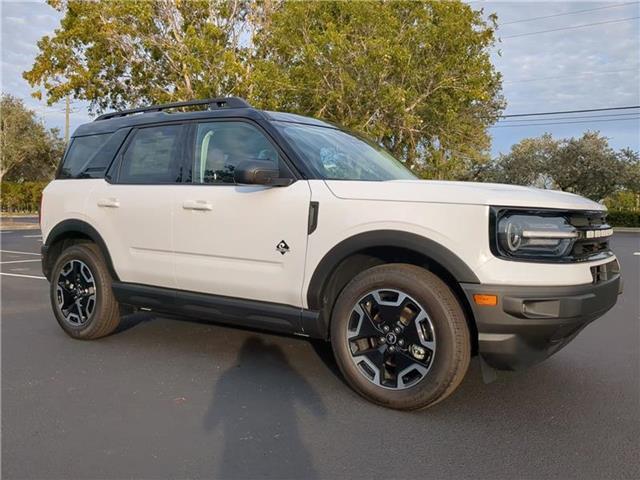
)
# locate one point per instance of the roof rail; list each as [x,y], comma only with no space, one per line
[213,103]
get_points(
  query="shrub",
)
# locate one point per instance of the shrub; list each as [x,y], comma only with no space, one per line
[21,197]
[624,218]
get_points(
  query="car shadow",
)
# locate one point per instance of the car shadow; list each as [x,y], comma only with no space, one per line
[254,404]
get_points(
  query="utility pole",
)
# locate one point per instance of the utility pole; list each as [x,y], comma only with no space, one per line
[66,120]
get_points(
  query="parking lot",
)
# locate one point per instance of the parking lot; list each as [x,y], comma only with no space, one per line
[166,398]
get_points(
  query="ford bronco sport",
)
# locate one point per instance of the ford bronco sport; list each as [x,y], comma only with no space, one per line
[286,223]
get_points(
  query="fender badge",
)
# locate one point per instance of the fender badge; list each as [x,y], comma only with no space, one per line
[282,247]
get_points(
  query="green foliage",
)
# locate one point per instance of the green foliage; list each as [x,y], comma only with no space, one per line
[21,197]
[586,165]
[415,76]
[624,218]
[623,200]
[27,149]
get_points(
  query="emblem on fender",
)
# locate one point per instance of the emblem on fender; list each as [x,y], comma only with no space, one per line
[282,247]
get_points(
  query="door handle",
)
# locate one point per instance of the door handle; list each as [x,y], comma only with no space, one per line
[109,202]
[197,205]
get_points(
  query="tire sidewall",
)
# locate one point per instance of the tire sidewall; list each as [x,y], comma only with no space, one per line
[426,289]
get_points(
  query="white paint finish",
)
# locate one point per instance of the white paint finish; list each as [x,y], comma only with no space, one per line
[461,227]
[65,199]
[469,193]
[230,248]
[135,221]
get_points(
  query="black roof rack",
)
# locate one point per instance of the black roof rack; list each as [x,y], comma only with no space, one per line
[213,103]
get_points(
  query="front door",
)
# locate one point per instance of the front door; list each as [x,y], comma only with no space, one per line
[246,241]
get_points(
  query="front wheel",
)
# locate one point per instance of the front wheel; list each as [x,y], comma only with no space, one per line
[400,337]
[81,295]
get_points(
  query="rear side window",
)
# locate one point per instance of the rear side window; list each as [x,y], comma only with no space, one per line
[153,156]
[89,156]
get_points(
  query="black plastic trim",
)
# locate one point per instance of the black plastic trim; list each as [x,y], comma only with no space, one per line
[314,208]
[212,103]
[380,239]
[530,323]
[236,311]
[75,226]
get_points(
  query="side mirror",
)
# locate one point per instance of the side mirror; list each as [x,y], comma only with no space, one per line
[255,172]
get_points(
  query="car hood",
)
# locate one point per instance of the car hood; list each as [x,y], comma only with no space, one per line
[470,193]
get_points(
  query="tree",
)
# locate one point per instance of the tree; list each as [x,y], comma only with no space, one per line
[27,149]
[585,165]
[526,164]
[117,53]
[631,161]
[415,76]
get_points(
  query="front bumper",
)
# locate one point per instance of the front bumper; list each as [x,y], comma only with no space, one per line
[529,324]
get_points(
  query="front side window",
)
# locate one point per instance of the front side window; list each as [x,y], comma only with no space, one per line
[221,146]
[153,156]
[337,155]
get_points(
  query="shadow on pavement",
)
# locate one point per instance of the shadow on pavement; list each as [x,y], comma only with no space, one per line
[254,404]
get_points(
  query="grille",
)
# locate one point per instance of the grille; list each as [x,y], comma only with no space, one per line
[587,248]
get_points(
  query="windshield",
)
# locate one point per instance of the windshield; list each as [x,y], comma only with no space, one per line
[337,155]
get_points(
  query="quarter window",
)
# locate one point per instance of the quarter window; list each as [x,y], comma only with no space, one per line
[153,156]
[221,146]
[89,156]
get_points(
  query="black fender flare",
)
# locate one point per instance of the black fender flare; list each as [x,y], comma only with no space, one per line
[67,228]
[380,239]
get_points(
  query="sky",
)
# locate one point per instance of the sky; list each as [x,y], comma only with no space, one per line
[593,66]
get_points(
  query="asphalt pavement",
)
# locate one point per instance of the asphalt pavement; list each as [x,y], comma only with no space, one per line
[167,398]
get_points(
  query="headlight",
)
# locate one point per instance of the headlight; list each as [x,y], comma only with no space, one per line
[524,235]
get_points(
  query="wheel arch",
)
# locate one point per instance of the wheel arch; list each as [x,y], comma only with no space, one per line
[365,250]
[68,232]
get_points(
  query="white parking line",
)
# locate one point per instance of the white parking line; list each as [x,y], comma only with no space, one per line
[636,253]
[20,275]
[32,236]
[20,261]
[21,253]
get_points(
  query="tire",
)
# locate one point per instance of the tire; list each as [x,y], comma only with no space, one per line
[81,295]
[426,344]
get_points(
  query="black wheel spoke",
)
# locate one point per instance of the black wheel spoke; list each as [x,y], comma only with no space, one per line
[391,338]
[366,327]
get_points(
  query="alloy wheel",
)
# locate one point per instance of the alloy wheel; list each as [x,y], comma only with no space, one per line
[391,339]
[76,292]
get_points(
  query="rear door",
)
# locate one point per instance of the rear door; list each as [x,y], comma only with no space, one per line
[246,241]
[132,209]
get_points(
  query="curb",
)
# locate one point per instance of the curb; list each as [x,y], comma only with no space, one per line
[626,229]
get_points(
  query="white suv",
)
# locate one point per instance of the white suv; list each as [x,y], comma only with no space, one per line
[286,223]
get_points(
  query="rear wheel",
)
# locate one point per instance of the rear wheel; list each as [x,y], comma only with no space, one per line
[81,295]
[400,336]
